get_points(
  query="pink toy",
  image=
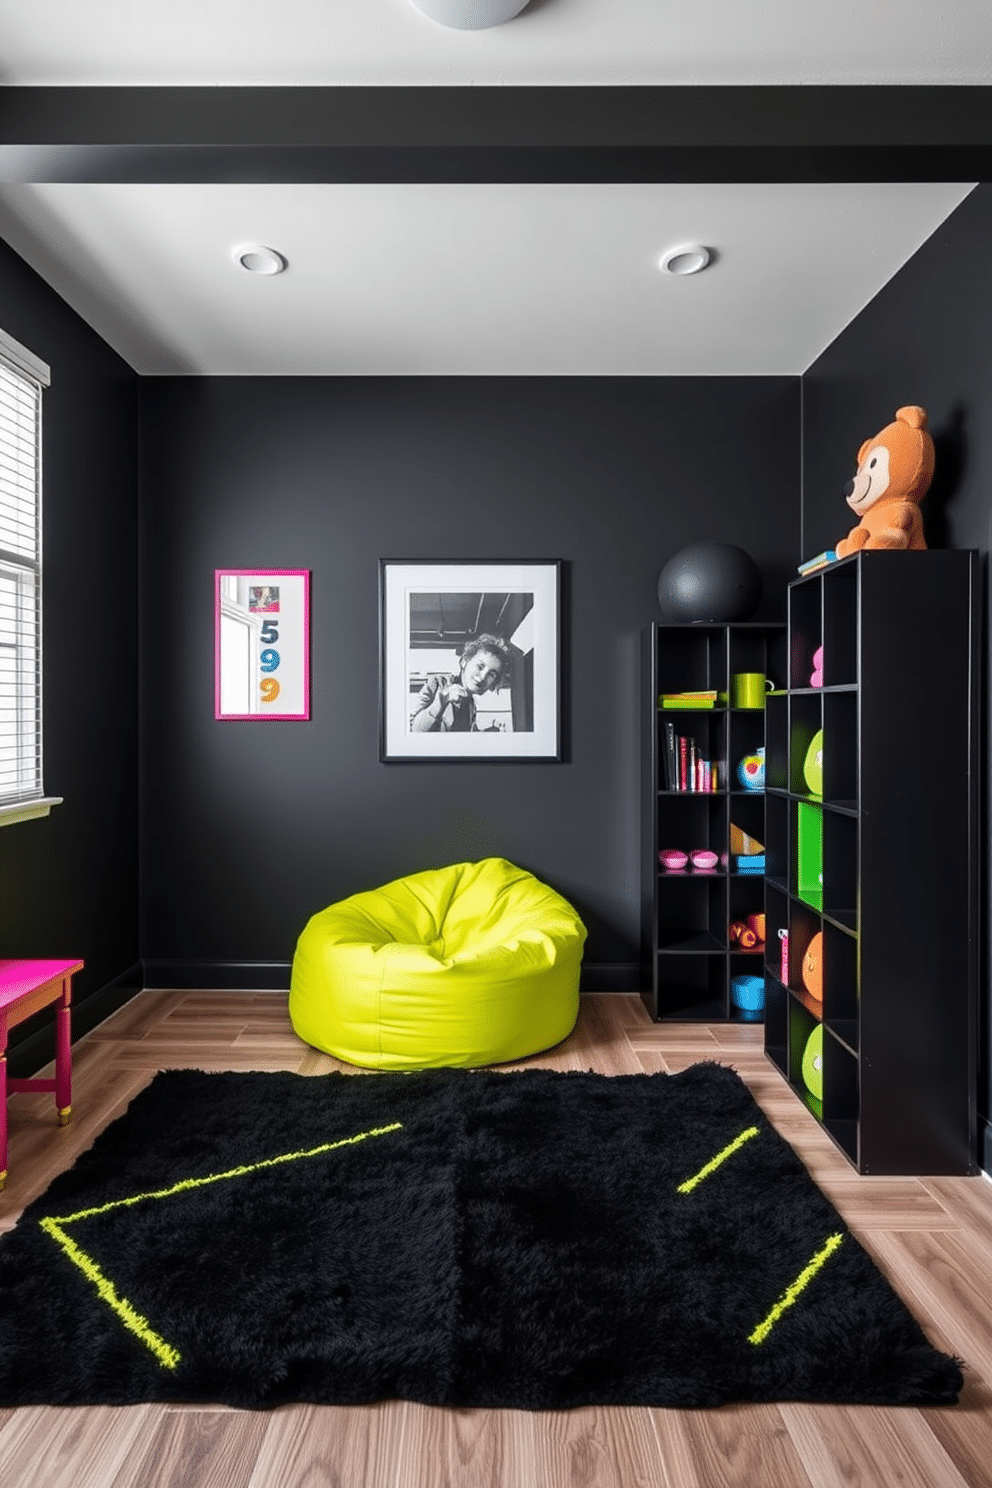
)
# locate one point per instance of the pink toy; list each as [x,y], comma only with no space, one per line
[25,987]
[673,859]
[817,678]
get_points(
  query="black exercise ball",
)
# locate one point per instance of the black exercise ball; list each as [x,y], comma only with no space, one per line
[709,581]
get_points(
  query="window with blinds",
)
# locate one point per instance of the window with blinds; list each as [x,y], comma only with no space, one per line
[22,378]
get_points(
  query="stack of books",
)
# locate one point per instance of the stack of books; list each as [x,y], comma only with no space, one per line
[685,769]
[820,561]
[707,698]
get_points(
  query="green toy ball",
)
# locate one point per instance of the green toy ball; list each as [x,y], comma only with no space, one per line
[813,767]
[813,1062]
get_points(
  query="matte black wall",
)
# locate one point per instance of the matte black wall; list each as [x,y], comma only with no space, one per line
[924,339]
[249,828]
[69,882]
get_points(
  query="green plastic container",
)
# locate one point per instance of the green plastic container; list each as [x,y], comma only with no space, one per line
[809,855]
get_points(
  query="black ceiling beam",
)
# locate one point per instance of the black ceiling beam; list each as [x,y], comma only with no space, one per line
[624,134]
[504,116]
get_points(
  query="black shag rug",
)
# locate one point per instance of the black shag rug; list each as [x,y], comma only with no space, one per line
[533,1240]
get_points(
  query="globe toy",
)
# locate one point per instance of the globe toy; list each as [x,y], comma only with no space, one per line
[751,771]
[709,581]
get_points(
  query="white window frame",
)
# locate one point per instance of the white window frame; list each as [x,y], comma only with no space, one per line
[24,797]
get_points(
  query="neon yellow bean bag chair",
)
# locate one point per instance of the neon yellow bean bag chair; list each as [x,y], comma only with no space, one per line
[469,965]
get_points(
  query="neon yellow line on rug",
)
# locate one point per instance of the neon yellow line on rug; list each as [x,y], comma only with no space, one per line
[790,1294]
[714,1162]
[168,1356]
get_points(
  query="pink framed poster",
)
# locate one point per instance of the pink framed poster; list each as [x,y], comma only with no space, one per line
[261,643]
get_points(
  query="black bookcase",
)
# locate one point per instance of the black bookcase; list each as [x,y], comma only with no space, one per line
[881,863]
[687,913]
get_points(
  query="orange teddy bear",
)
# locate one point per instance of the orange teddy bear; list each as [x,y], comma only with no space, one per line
[895,469]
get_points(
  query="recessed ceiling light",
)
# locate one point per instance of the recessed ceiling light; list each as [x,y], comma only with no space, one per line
[469,15]
[689,258]
[258,260]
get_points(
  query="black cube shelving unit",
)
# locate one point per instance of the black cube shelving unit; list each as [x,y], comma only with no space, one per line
[882,862]
[686,914]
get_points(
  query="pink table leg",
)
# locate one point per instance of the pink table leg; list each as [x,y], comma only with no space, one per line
[3,1120]
[63,1064]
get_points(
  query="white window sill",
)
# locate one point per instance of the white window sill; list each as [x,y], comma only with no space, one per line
[18,811]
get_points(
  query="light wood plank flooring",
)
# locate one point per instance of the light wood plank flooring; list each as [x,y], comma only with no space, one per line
[932,1238]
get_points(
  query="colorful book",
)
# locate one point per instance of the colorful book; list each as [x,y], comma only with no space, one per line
[820,561]
[705,698]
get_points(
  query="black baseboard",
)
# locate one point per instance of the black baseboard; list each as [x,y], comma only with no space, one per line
[611,976]
[27,1056]
[263,976]
[218,976]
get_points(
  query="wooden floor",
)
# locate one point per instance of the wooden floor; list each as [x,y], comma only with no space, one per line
[932,1238]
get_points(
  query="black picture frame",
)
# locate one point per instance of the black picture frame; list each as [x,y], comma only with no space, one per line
[443,693]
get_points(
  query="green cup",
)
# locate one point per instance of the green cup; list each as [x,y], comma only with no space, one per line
[749,689]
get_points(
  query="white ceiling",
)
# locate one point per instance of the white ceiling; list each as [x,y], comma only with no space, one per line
[469,279]
[473,279]
[349,42]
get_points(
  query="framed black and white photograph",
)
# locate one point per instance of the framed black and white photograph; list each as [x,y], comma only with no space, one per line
[469,661]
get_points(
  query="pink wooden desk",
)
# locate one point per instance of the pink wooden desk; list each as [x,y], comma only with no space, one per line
[25,987]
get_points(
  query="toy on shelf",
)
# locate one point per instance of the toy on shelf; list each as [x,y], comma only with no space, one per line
[783,936]
[813,967]
[813,1062]
[742,842]
[702,859]
[895,468]
[751,771]
[816,680]
[748,993]
[749,934]
[813,765]
[742,936]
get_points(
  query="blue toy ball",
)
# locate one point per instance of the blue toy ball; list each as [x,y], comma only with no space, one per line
[709,581]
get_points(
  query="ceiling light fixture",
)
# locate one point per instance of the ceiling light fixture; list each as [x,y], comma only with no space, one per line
[469,15]
[258,260]
[689,258]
